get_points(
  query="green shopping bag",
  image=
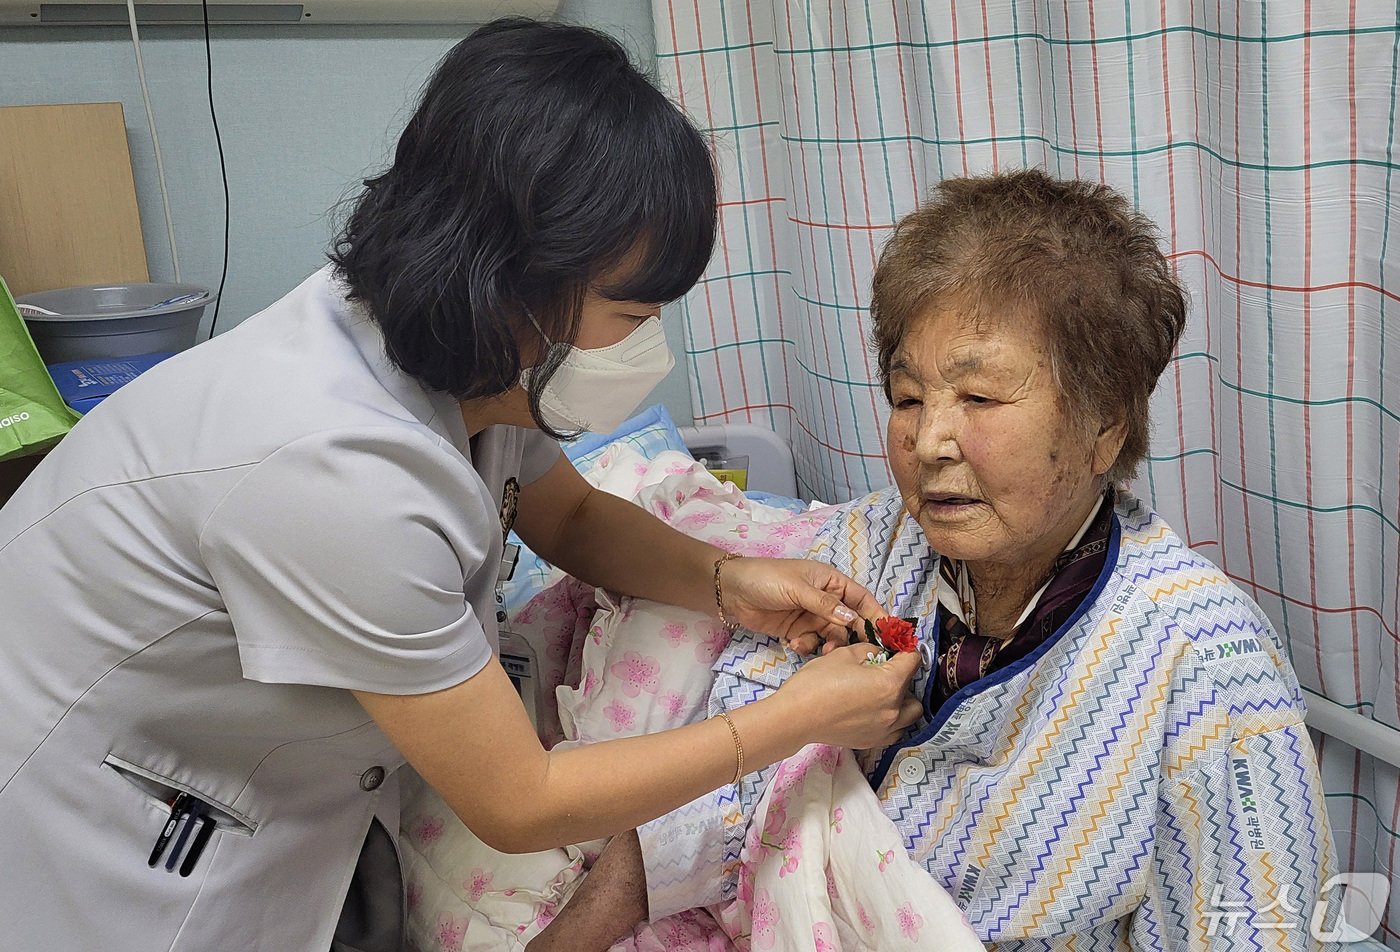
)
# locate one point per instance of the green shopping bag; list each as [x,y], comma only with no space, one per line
[33,416]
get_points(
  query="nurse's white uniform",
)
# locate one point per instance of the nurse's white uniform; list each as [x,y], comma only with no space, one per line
[190,584]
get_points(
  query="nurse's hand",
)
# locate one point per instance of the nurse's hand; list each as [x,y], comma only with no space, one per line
[846,701]
[804,604]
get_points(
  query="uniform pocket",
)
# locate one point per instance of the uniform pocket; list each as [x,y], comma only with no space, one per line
[161,790]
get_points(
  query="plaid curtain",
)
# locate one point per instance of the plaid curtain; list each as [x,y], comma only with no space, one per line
[1261,138]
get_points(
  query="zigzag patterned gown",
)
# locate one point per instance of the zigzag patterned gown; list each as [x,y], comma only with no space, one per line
[1142,780]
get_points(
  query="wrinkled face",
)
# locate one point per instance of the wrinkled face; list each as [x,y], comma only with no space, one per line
[986,459]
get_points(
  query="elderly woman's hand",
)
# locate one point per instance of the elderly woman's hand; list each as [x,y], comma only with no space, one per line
[802,603]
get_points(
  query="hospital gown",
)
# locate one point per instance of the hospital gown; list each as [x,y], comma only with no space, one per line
[1142,780]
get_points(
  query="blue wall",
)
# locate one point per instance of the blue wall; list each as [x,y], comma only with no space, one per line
[305,114]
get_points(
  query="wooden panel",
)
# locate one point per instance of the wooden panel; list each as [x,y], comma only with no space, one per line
[68,212]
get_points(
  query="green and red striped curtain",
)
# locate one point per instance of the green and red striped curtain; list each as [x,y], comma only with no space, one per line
[1262,139]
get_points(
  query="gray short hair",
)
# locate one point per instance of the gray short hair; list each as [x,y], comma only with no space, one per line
[1074,254]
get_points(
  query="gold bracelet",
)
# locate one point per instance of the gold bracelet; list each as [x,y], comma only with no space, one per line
[738,747]
[719,591]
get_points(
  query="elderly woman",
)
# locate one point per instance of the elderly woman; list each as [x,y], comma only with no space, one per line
[1112,751]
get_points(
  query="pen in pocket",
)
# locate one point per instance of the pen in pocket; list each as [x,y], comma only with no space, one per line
[178,807]
[206,830]
[192,814]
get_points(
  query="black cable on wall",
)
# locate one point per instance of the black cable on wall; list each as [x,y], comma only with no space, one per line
[223,168]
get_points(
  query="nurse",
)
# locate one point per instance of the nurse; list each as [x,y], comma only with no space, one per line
[259,579]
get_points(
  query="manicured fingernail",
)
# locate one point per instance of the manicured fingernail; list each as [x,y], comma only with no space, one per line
[845,614]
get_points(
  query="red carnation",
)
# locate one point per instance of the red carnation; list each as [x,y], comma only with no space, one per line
[896,634]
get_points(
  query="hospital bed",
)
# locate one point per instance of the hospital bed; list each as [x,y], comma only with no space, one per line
[771,476]
[1363,734]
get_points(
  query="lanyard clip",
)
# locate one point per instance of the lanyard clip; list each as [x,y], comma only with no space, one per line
[510,558]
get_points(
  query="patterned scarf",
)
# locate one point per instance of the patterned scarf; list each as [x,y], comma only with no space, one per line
[965,657]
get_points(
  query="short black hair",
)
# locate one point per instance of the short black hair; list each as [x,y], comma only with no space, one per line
[539,163]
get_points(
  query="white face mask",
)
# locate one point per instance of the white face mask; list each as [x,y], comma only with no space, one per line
[598,389]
